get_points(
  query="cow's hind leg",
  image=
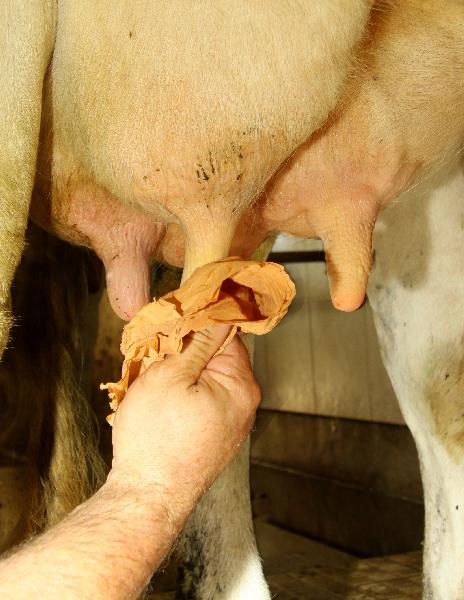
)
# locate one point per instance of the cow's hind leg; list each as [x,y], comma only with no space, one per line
[417,293]
[220,559]
[26,40]
[27,31]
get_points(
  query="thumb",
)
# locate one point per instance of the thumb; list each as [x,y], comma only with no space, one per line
[199,349]
[349,259]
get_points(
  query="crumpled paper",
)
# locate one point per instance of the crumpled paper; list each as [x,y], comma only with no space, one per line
[251,296]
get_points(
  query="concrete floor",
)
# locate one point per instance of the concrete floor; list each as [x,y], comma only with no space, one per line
[299,569]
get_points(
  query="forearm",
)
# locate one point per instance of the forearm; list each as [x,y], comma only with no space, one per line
[107,548]
[181,422]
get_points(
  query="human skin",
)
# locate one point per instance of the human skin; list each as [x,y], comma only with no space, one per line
[181,422]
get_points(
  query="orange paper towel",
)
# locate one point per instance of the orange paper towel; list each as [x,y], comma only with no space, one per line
[251,296]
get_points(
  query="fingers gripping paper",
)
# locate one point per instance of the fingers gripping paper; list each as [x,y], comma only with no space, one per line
[251,296]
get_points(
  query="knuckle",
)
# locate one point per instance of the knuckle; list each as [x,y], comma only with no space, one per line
[155,371]
[157,376]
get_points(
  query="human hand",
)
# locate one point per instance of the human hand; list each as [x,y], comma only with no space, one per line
[184,419]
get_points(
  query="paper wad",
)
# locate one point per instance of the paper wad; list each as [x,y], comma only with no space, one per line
[251,296]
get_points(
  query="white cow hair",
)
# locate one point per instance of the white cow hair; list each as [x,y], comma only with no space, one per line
[419,319]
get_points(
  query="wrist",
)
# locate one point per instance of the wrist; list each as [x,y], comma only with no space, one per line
[142,517]
[154,501]
[174,482]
